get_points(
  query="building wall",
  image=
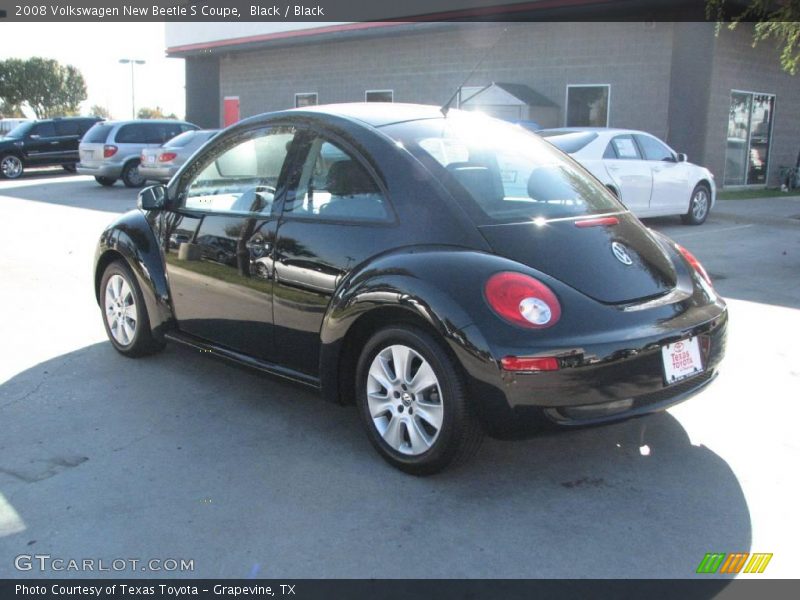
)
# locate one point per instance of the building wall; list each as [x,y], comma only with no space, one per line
[427,67]
[737,65]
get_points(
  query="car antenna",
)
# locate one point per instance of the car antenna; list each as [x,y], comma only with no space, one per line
[446,107]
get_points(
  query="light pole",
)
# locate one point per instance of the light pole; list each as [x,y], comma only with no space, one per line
[132,62]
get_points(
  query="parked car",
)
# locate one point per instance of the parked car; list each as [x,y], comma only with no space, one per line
[42,143]
[160,164]
[112,150]
[650,178]
[7,125]
[475,277]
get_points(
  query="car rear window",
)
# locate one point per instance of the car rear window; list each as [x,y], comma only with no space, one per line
[189,137]
[509,175]
[98,134]
[569,141]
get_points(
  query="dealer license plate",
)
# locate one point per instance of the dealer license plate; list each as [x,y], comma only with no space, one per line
[681,360]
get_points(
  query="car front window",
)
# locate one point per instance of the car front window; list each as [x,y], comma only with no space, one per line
[243,177]
[20,131]
[509,174]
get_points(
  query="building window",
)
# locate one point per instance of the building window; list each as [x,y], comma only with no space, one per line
[749,136]
[587,105]
[379,96]
[305,99]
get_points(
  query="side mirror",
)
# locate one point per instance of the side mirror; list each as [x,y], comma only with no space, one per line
[153,197]
[682,157]
[34,136]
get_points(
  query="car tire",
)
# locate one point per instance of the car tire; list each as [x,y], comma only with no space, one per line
[70,167]
[699,206]
[105,181]
[124,312]
[11,166]
[444,430]
[131,176]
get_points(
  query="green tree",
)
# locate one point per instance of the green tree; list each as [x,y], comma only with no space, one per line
[12,72]
[99,111]
[48,87]
[153,113]
[778,20]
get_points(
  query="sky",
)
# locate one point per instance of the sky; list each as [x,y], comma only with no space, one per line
[95,49]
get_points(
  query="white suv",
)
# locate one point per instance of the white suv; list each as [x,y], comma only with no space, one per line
[111,150]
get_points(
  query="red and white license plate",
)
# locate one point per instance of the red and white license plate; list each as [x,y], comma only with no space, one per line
[681,360]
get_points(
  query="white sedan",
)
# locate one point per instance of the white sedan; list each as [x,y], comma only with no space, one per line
[648,176]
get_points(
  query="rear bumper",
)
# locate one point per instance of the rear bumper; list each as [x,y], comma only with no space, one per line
[162,174]
[602,382]
[103,170]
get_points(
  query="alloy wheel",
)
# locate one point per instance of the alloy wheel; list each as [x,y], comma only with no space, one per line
[121,313]
[11,167]
[700,204]
[405,400]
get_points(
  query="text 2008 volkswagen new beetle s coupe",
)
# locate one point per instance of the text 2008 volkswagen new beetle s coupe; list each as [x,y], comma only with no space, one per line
[450,273]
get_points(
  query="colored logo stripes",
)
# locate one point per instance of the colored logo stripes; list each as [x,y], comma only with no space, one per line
[719,562]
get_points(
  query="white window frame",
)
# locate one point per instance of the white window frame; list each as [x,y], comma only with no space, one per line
[315,94]
[367,92]
[585,85]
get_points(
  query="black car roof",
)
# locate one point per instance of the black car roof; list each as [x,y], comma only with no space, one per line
[377,114]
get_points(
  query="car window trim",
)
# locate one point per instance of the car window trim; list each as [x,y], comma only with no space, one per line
[300,157]
[280,187]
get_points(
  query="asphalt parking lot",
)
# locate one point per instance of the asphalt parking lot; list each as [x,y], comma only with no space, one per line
[179,456]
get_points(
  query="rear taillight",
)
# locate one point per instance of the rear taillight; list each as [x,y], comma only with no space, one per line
[690,258]
[109,151]
[167,156]
[522,300]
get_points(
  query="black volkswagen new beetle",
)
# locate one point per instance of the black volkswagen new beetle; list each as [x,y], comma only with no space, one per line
[450,274]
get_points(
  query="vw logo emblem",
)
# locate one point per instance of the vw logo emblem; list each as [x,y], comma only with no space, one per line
[621,253]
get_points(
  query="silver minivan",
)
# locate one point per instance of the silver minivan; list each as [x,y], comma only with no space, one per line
[111,150]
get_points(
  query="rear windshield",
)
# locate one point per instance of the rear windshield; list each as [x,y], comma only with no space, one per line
[509,174]
[569,141]
[97,134]
[189,137]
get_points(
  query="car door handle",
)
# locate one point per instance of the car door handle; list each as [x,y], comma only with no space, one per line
[53,143]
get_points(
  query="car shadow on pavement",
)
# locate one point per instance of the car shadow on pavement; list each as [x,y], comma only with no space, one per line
[182,455]
[72,191]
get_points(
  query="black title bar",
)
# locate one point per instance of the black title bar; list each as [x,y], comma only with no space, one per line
[326,11]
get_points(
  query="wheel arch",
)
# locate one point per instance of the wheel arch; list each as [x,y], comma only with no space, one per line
[407,287]
[131,239]
[339,385]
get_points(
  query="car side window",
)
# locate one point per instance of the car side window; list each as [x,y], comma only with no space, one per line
[622,147]
[164,132]
[654,149]
[243,177]
[334,185]
[66,127]
[133,133]
[43,130]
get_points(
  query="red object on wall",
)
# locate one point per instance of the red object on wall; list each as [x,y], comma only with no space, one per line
[230,111]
